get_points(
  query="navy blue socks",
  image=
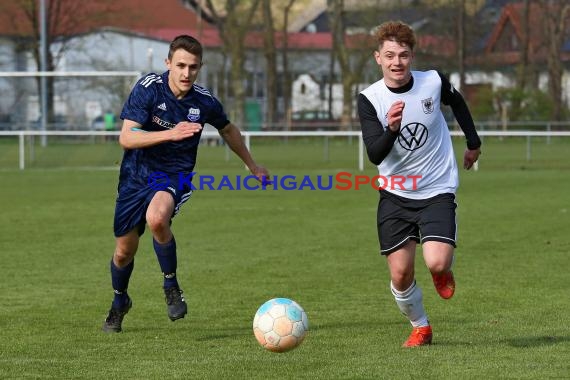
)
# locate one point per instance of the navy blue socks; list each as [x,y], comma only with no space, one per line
[120,281]
[166,255]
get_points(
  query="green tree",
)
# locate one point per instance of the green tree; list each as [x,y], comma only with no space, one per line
[555,24]
[351,58]
[270,53]
[234,22]
[287,80]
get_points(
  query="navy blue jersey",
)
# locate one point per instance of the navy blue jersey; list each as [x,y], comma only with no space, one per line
[153,105]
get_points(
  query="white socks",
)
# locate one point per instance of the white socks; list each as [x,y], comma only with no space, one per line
[410,302]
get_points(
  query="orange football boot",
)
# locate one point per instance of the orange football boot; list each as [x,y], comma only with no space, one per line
[420,336]
[444,284]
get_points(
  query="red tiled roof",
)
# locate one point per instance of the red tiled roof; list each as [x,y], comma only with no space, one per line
[77,17]
[438,45]
[208,37]
[512,15]
[211,38]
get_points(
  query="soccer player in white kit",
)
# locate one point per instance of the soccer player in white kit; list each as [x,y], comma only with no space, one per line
[407,137]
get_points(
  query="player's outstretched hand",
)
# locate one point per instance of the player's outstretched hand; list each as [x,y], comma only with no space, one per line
[184,130]
[471,156]
[262,175]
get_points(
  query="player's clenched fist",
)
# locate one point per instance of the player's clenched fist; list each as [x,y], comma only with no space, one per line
[184,130]
[395,115]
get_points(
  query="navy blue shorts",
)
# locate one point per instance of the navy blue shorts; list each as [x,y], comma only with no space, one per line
[401,220]
[132,203]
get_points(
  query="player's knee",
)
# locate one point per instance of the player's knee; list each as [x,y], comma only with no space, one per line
[439,267]
[157,222]
[123,257]
[402,279]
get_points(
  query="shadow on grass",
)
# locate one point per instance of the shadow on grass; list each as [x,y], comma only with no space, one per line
[233,332]
[356,325]
[537,341]
[223,333]
[217,337]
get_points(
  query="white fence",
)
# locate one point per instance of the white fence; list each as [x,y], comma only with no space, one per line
[248,135]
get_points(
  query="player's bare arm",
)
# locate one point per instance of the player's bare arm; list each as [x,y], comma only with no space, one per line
[232,136]
[132,137]
[395,114]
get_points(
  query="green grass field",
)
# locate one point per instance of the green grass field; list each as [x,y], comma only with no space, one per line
[508,320]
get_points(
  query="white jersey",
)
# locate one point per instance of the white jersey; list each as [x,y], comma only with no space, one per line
[421,164]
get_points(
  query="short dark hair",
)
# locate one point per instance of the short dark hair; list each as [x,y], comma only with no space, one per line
[396,31]
[186,42]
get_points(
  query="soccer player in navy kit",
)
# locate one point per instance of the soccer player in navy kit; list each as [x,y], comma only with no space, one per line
[163,119]
[406,135]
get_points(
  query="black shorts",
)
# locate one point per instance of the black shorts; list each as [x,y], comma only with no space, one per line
[400,220]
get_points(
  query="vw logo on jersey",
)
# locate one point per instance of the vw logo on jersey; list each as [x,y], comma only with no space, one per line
[427,105]
[413,136]
[193,114]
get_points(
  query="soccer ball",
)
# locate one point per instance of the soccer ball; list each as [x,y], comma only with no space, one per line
[280,325]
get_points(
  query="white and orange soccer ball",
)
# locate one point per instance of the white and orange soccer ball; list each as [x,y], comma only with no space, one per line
[280,325]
